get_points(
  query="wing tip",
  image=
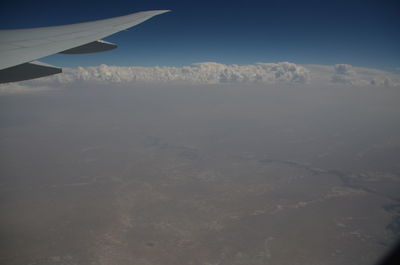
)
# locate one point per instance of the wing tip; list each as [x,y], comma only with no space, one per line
[157,12]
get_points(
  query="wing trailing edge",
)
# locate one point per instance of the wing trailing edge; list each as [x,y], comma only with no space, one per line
[92,47]
[27,71]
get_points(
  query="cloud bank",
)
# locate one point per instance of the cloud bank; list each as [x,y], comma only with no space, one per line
[199,73]
[346,74]
[214,73]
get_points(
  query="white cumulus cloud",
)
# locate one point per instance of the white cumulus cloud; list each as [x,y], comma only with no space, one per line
[344,74]
[343,69]
[200,73]
[213,73]
[359,76]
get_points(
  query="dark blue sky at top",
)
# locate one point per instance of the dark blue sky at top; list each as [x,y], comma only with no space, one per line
[362,33]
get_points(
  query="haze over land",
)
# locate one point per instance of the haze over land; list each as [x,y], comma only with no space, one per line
[270,163]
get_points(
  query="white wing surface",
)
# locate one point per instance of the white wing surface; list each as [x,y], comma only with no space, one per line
[18,48]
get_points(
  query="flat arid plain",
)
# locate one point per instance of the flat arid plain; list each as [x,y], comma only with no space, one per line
[211,175]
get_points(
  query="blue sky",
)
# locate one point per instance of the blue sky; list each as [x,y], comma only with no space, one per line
[361,33]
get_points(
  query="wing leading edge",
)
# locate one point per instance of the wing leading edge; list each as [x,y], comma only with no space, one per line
[22,46]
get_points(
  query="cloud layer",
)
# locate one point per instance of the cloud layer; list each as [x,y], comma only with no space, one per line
[200,73]
[214,73]
[346,74]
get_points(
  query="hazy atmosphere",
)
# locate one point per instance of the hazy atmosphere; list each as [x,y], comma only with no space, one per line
[221,133]
[298,166]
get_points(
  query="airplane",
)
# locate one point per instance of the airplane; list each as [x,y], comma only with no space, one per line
[20,48]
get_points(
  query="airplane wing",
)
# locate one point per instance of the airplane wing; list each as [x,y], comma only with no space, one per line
[20,48]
